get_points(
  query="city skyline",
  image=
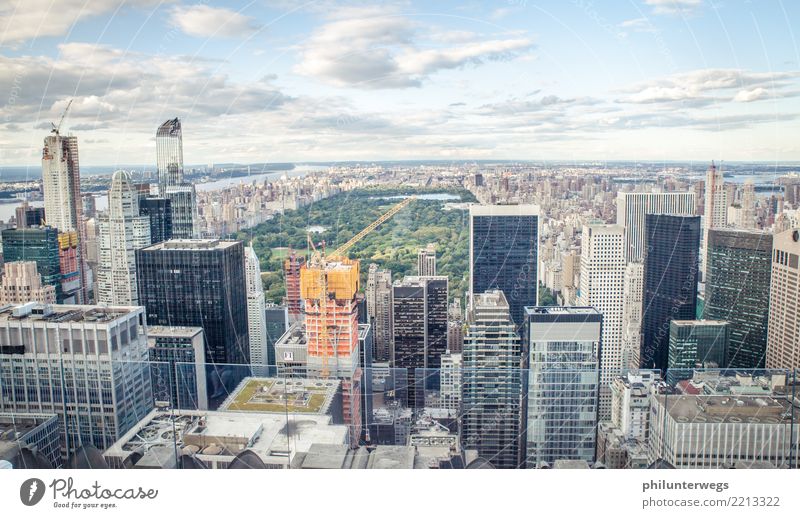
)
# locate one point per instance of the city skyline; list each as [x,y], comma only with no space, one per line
[511,80]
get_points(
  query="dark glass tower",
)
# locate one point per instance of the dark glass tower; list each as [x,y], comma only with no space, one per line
[696,344]
[159,210]
[198,283]
[737,290]
[672,248]
[169,154]
[503,253]
[38,244]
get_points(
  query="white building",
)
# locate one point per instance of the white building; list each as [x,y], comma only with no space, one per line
[602,287]
[379,308]
[630,403]
[426,260]
[632,299]
[450,381]
[256,319]
[633,206]
[783,334]
[122,231]
[715,211]
[22,283]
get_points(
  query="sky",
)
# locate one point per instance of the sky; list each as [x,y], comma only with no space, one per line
[346,80]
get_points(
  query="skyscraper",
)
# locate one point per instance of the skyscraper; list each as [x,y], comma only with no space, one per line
[491,382]
[632,207]
[198,283]
[61,182]
[39,245]
[277,320]
[28,216]
[426,260]
[695,344]
[632,294]
[419,318]
[602,287]
[122,231]
[291,274]
[177,366]
[670,281]
[171,184]
[783,335]
[379,308]
[256,323]
[503,252]
[737,291]
[563,345]
[715,210]
[21,283]
[159,210]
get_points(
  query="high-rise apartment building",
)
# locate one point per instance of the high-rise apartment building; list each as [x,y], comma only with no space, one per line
[379,308]
[87,364]
[715,210]
[491,382]
[291,274]
[602,287]
[738,269]
[632,295]
[171,183]
[122,231]
[22,283]
[256,323]
[564,348]
[503,253]
[61,182]
[696,344]
[419,318]
[198,283]
[450,381]
[632,207]
[426,260]
[670,282]
[783,334]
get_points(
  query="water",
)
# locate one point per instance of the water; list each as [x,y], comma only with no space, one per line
[298,171]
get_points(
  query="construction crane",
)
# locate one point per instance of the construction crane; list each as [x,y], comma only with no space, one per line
[57,129]
[315,284]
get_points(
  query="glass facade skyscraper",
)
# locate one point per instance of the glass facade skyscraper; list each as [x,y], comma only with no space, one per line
[39,244]
[696,344]
[670,281]
[159,210]
[171,185]
[740,259]
[503,253]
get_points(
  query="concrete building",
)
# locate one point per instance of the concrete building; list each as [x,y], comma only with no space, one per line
[632,299]
[504,254]
[426,261]
[121,231]
[632,207]
[379,308]
[22,283]
[39,434]
[291,274]
[450,381]
[178,366]
[86,364]
[564,346]
[602,280]
[491,382]
[715,210]
[783,335]
[256,317]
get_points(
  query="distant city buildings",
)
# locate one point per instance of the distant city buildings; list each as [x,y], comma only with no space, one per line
[426,260]
[22,283]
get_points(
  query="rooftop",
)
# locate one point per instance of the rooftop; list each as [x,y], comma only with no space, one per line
[296,395]
[192,244]
[57,313]
[701,409]
[174,331]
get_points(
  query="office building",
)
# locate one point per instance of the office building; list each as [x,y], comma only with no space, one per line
[22,283]
[450,381]
[159,211]
[564,346]
[277,323]
[632,207]
[291,274]
[61,183]
[783,334]
[379,308]
[696,344]
[39,434]
[630,403]
[38,245]
[198,283]
[69,261]
[715,210]
[86,364]
[28,216]
[426,260]
[122,231]
[503,253]
[632,295]
[177,366]
[256,318]
[602,287]
[491,382]
[670,282]
[419,317]
[739,259]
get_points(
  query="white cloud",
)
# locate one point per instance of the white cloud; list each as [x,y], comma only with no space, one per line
[204,21]
[22,20]
[674,6]
[373,49]
[754,94]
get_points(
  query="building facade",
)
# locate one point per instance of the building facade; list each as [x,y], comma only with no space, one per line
[632,207]
[783,334]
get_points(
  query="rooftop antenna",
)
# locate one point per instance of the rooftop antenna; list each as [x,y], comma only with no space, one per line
[57,129]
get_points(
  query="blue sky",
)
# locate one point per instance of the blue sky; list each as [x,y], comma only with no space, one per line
[280,80]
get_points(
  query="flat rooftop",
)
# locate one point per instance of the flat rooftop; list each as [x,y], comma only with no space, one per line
[293,395]
[560,310]
[701,409]
[56,313]
[504,210]
[193,244]
[174,331]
